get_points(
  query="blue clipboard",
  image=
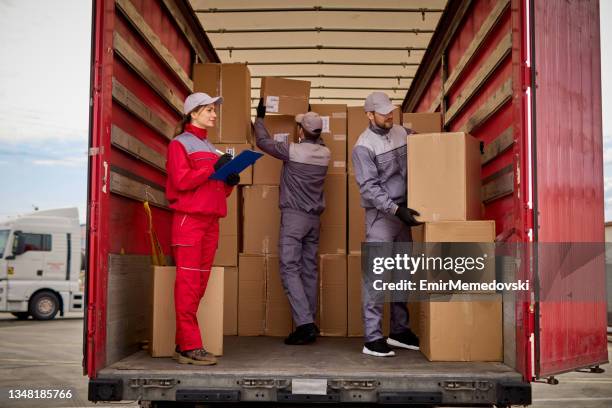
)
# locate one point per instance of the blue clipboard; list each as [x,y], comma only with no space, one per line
[245,159]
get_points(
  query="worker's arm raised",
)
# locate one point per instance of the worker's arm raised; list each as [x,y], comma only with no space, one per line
[274,148]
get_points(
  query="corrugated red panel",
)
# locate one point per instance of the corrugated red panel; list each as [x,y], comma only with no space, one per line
[570,180]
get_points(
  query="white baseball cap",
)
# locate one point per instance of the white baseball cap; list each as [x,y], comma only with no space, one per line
[310,121]
[198,99]
[378,102]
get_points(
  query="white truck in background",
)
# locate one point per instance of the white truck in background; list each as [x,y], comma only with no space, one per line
[40,264]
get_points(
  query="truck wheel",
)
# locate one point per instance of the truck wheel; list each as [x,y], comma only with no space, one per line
[21,315]
[44,306]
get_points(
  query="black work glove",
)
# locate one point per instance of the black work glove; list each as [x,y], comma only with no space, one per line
[232,179]
[261,109]
[407,216]
[222,161]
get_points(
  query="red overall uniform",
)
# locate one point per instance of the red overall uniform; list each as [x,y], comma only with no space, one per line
[198,203]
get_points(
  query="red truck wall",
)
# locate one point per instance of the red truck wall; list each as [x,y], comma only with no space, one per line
[569,172]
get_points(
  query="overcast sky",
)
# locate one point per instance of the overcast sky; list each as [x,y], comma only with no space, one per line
[44,91]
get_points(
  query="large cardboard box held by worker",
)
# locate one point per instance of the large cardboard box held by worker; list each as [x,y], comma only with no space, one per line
[333,134]
[251,295]
[285,96]
[332,238]
[472,239]
[423,122]
[462,328]
[210,312]
[261,219]
[354,302]
[444,176]
[267,170]
[233,82]
[333,295]
[246,176]
[278,312]
[229,237]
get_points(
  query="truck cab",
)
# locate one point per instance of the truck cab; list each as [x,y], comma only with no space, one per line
[40,264]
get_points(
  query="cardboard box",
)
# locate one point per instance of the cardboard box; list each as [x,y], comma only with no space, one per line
[423,122]
[230,301]
[285,96]
[233,82]
[444,176]
[461,330]
[229,237]
[357,123]
[333,220]
[279,321]
[261,219]
[334,134]
[207,79]
[267,170]
[210,313]
[356,217]
[333,295]
[251,295]
[246,177]
[355,307]
[479,234]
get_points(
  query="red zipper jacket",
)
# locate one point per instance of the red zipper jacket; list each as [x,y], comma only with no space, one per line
[191,158]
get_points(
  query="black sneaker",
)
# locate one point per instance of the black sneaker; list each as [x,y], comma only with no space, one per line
[378,348]
[304,334]
[316,329]
[407,340]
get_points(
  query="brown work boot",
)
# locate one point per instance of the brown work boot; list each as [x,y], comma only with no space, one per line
[196,357]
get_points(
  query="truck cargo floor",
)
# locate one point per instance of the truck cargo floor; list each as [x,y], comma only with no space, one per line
[329,356]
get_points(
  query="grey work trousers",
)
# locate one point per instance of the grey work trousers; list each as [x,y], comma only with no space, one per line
[381,227]
[298,247]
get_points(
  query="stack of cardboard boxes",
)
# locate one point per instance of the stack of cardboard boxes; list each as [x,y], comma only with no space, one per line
[444,186]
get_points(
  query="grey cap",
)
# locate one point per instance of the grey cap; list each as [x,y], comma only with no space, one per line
[310,121]
[198,99]
[378,102]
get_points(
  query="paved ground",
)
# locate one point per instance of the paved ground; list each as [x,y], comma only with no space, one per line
[39,355]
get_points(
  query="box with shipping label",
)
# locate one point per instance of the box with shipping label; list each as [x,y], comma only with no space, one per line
[333,220]
[251,295]
[461,328]
[285,96]
[230,301]
[464,240]
[333,133]
[423,122]
[278,311]
[333,295]
[261,219]
[229,236]
[444,176]
[246,177]
[210,312]
[233,82]
[282,128]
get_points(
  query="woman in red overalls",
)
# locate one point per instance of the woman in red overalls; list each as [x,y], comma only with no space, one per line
[198,203]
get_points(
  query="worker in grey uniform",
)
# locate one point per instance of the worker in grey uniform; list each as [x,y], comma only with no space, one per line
[379,162]
[301,202]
